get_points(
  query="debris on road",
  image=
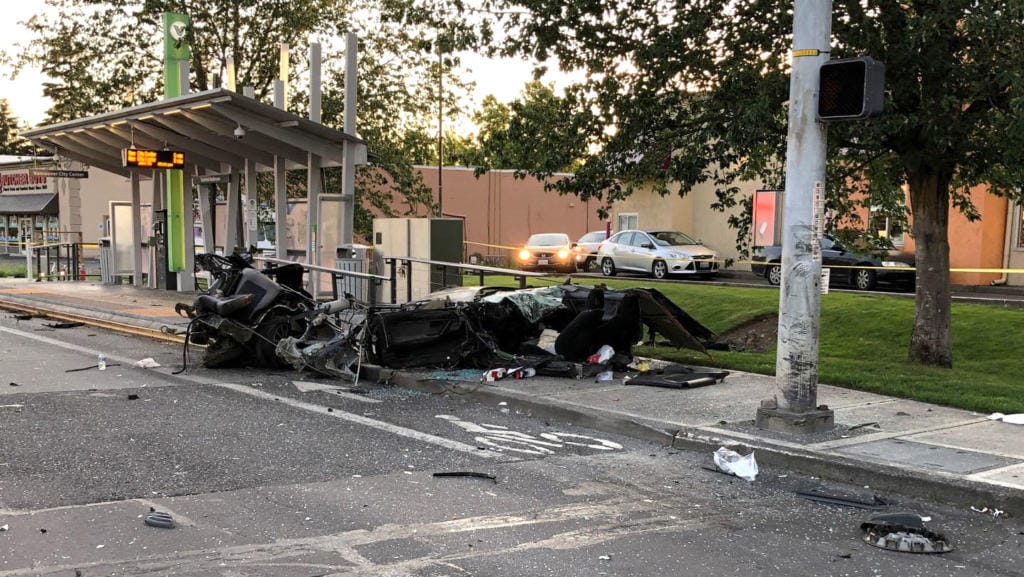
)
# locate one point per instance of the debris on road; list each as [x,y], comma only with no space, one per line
[133,397]
[146,363]
[875,504]
[993,511]
[64,325]
[159,519]
[743,466]
[4,527]
[903,532]
[862,425]
[467,474]
[13,384]
[92,367]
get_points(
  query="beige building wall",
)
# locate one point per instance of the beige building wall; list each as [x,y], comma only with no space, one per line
[691,214]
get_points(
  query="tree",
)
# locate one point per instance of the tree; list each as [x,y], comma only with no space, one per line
[107,54]
[694,92]
[10,142]
[539,132]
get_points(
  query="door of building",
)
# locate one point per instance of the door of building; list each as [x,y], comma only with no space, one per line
[24,234]
[1016,260]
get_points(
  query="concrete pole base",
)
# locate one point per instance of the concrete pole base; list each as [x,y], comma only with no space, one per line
[772,418]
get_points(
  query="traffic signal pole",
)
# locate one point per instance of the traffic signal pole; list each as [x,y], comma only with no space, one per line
[794,407]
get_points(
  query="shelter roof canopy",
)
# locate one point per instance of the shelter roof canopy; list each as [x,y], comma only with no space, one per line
[203,125]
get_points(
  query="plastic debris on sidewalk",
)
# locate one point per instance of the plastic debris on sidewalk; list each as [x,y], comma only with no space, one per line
[744,467]
[1014,419]
[146,363]
[903,532]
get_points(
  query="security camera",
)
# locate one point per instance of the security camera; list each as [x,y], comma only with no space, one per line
[239,132]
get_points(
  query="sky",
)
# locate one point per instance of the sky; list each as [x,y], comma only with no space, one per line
[503,78]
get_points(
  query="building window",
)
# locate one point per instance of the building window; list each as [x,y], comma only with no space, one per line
[886,226]
[627,221]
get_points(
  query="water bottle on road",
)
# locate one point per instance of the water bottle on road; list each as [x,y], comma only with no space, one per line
[102,365]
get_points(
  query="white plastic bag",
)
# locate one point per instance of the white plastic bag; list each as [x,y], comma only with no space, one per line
[605,354]
[744,467]
[1015,419]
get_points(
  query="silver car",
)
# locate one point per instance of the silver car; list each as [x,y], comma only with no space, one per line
[658,253]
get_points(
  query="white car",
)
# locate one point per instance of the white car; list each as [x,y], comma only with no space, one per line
[658,253]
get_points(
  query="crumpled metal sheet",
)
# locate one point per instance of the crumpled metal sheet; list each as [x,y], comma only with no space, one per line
[534,304]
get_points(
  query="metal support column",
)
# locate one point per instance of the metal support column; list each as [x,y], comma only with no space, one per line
[187,277]
[250,233]
[281,207]
[136,229]
[348,174]
[794,408]
[206,216]
[234,214]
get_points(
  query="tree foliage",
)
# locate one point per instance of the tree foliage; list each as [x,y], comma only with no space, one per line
[539,132]
[10,142]
[694,92]
[107,54]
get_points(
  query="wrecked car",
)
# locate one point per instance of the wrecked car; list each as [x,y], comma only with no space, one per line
[485,327]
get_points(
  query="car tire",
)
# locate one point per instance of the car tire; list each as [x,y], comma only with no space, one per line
[659,269]
[774,274]
[864,279]
[607,266]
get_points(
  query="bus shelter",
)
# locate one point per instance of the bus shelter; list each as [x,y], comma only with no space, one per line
[224,139]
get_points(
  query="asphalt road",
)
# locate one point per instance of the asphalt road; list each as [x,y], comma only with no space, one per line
[265,479]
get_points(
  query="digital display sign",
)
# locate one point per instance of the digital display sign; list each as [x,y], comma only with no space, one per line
[141,158]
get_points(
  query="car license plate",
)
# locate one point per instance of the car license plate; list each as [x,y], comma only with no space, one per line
[704,265]
[542,261]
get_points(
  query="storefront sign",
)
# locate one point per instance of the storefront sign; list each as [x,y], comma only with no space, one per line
[21,181]
[55,173]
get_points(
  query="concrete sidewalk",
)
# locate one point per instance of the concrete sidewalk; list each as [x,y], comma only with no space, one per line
[885,443]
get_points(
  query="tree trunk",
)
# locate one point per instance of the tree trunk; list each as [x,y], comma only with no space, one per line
[930,341]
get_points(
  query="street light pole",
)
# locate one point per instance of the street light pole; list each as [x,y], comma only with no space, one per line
[794,407]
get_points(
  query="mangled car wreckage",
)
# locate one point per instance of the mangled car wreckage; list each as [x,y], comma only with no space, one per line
[264,318]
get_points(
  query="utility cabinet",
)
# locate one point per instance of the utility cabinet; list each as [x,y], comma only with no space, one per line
[437,239]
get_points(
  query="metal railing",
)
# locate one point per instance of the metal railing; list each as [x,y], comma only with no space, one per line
[392,277]
[56,262]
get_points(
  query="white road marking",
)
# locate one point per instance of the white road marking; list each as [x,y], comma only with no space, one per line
[318,409]
[366,421]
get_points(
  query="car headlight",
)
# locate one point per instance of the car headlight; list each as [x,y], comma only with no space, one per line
[896,264]
[563,254]
[679,255]
[524,254]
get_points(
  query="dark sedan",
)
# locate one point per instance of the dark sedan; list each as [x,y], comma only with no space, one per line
[860,271]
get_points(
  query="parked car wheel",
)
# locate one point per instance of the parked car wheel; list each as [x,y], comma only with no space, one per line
[864,279]
[607,267]
[659,269]
[585,265]
[774,275]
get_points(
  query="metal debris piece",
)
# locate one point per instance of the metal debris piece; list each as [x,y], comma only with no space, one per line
[862,425]
[903,532]
[467,474]
[64,325]
[159,519]
[91,367]
[875,504]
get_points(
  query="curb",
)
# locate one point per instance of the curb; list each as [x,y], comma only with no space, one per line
[880,477]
